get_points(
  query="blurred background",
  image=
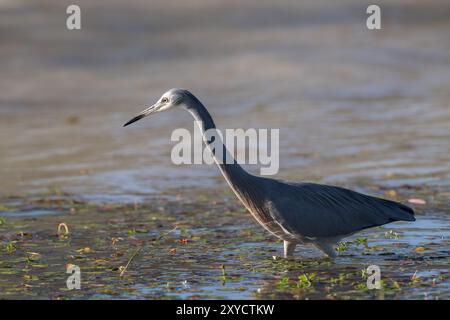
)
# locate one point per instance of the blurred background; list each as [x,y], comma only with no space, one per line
[352,104]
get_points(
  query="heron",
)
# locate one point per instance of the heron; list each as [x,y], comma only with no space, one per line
[295,212]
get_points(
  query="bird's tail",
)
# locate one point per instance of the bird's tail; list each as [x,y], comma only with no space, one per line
[398,211]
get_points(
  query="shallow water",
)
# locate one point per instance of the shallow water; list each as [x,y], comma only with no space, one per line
[191,248]
[367,110]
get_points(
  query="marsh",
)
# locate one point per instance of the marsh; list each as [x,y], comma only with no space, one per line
[363,109]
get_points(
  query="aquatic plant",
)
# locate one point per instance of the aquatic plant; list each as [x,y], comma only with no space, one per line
[305,280]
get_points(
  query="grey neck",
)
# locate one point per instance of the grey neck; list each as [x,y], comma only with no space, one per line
[236,176]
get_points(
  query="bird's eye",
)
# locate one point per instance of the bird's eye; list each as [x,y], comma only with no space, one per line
[164,100]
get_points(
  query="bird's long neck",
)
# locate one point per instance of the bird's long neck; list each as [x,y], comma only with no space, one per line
[248,188]
[231,170]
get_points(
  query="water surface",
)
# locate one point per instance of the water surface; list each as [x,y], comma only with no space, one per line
[368,110]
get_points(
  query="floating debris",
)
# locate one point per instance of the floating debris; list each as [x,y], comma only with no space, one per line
[124,269]
[115,240]
[33,256]
[391,193]
[417,201]
[391,234]
[415,277]
[85,250]
[63,230]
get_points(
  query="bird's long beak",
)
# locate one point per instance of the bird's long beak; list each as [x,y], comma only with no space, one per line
[143,114]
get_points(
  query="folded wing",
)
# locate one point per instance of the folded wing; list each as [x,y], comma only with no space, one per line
[315,210]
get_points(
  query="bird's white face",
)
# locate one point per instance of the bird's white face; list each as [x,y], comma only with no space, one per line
[171,98]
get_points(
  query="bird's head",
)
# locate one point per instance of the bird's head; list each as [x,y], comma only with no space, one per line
[172,98]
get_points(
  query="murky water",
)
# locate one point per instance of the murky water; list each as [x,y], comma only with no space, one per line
[365,109]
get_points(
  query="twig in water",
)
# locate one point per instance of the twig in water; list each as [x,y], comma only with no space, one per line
[129,261]
[124,269]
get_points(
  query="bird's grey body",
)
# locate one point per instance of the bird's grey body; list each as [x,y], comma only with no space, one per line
[297,213]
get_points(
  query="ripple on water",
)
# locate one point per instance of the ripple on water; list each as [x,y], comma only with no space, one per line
[29,213]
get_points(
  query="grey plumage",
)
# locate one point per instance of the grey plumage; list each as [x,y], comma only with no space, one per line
[294,212]
[341,211]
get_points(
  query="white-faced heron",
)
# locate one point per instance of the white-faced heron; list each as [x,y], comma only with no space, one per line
[294,212]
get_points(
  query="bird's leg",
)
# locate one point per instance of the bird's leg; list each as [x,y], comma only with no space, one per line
[327,248]
[289,248]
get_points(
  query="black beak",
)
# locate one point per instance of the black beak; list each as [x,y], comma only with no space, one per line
[139,117]
[143,114]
